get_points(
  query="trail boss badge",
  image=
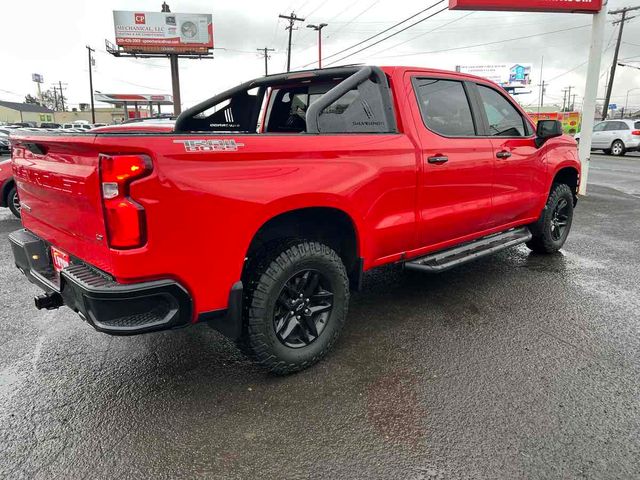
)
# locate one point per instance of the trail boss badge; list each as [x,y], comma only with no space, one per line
[193,146]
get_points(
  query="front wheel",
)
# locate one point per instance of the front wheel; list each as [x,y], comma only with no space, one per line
[295,305]
[13,201]
[552,230]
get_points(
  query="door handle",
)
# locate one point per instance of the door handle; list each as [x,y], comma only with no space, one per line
[503,154]
[438,159]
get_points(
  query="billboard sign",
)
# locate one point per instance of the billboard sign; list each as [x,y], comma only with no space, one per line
[567,6]
[36,77]
[507,75]
[155,32]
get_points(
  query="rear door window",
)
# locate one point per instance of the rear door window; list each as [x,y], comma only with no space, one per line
[444,107]
[504,119]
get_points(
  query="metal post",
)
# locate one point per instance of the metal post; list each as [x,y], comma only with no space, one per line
[175,84]
[591,93]
[318,28]
[93,110]
[320,48]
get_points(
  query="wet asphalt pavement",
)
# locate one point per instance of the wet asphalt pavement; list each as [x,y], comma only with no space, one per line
[516,366]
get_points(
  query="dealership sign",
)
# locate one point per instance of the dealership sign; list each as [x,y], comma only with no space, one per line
[569,6]
[508,75]
[155,32]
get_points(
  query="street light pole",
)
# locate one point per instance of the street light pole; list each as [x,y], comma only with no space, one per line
[318,28]
[93,110]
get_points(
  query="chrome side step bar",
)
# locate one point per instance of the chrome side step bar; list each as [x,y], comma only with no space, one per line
[452,257]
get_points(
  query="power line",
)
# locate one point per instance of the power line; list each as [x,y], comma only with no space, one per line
[393,34]
[424,33]
[488,43]
[377,34]
[353,19]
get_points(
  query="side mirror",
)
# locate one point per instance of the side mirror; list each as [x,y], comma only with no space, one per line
[547,129]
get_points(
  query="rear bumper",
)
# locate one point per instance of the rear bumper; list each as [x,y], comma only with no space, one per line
[106,305]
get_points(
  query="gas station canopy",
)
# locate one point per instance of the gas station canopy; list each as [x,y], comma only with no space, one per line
[125,100]
[133,98]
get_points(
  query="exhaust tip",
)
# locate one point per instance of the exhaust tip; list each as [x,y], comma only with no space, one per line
[48,301]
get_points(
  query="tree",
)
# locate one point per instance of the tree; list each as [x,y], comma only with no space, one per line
[31,99]
[50,99]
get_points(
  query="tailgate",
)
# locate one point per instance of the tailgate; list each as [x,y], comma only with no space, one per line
[59,187]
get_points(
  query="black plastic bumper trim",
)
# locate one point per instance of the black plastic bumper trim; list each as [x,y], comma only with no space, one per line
[108,306]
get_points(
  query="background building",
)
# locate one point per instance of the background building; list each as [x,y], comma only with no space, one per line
[13,112]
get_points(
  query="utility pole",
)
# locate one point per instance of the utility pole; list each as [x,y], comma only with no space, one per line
[61,96]
[93,110]
[543,87]
[623,19]
[573,103]
[292,19]
[265,53]
[567,99]
[55,97]
[318,28]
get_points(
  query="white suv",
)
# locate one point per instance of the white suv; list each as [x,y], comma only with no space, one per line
[616,137]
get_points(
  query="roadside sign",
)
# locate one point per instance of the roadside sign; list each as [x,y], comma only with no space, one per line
[567,6]
[163,32]
[613,106]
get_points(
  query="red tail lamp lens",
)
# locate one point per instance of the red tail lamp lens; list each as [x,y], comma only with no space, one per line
[124,218]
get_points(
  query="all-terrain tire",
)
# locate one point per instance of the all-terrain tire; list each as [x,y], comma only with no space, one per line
[552,230]
[265,281]
[13,202]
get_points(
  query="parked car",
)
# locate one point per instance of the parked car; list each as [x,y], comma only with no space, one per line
[148,125]
[262,232]
[5,146]
[76,126]
[616,137]
[49,125]
[8,192]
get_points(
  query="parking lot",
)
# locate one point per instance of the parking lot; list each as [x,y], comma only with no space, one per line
[516,366]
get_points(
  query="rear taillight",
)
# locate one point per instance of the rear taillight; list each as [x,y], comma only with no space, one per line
[635,132]
[124,218]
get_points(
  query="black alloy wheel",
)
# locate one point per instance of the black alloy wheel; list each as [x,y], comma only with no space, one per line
[303,309]
[560,219]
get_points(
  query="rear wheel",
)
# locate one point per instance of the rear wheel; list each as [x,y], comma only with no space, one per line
[552,230]
[295,305]
[617,148]
[13,202]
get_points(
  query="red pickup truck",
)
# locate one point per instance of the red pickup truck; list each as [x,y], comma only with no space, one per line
[260,209]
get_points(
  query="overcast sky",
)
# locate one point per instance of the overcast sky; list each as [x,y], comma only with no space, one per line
[49,37]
